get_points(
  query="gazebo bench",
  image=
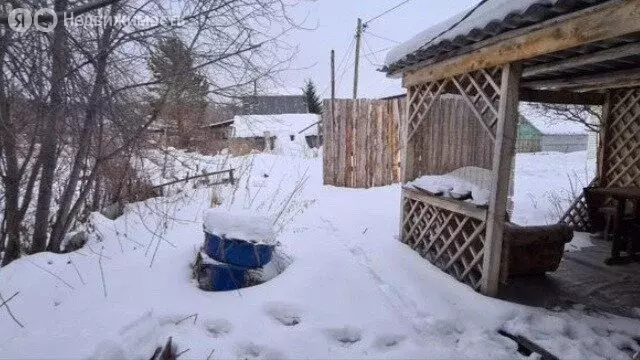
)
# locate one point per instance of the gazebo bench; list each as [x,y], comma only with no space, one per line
[530,250]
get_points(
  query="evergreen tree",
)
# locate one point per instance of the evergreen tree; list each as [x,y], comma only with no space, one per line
[311,98]
[181,95]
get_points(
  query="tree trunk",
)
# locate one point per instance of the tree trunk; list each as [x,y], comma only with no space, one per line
[11,178]
[48,158]
[63,217]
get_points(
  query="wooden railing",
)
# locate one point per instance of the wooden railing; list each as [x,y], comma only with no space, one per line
[448,233]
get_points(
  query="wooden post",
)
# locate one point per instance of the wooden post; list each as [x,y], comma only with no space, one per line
[267,141]
[503,150]
[406,149]
[406,155]
[333,83]
[602,167]
[357,59]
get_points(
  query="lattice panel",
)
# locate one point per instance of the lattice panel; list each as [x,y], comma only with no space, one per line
[421,99]
[452,241]
[480,90]
[622,153]
[577,216]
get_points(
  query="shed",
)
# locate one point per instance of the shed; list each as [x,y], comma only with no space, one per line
[494,55]
[539,132]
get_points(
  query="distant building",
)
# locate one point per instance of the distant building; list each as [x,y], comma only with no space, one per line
[285,134]
[287,101]
[537,132]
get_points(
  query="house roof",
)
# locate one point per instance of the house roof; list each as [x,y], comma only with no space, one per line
[279,91]
[548,125]
[219,124]
[485,20]
[276,125]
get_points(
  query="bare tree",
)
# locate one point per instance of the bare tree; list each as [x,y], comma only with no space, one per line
[583,114]
[90,88]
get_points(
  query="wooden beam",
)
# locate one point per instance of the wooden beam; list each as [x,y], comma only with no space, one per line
[583,60]
[603,146]
[590,25]
[503,151]
[407,152]
[457,206]
[614,79]
[561,97]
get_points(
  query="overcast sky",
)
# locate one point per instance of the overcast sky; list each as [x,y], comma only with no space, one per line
[336,23]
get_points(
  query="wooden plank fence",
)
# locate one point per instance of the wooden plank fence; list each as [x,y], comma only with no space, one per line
[362,142]
[362,145]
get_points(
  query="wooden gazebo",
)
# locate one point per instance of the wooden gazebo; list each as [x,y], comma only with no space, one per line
[495,55]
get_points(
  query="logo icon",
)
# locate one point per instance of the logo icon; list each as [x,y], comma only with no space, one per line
[20,20]
[45,20]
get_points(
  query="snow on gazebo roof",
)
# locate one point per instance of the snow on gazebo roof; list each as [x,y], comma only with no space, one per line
[484,20]
[548,125]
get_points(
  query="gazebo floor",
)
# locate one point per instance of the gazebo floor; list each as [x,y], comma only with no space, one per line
[582,278]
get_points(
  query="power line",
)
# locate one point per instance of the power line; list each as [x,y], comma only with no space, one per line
[379,51]
[345,55]
[383,38]
[377,61]
[344,71]
[454,25]
[386,12]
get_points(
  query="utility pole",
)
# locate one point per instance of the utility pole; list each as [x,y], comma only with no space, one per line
[357,60]
[333,83]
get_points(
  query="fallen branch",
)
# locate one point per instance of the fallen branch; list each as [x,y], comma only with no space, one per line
[182,352]
[77,271]
[5,303]
[230,171]
[9,299]
[195,316]
[52,274]
[104,284]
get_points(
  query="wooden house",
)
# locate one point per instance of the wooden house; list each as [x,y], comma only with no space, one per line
[539,132]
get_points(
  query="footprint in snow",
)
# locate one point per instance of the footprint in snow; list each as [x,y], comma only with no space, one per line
[347,335]
[388,341]
[251,351]
[218,327]
[285,314]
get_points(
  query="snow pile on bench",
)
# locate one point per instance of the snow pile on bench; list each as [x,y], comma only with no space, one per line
[242,225]
[458,184]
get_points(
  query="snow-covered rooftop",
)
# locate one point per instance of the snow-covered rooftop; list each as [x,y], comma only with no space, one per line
[549,125]
[280,91]
[283,124]
[477,23]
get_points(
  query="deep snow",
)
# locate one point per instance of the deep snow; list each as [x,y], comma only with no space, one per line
[352,289]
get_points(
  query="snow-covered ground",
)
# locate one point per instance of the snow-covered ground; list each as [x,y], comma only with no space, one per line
[354,289]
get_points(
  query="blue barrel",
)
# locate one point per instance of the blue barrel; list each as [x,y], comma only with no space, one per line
[221,277]
[236,251]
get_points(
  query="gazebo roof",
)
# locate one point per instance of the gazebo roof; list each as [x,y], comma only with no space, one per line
[485,20]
